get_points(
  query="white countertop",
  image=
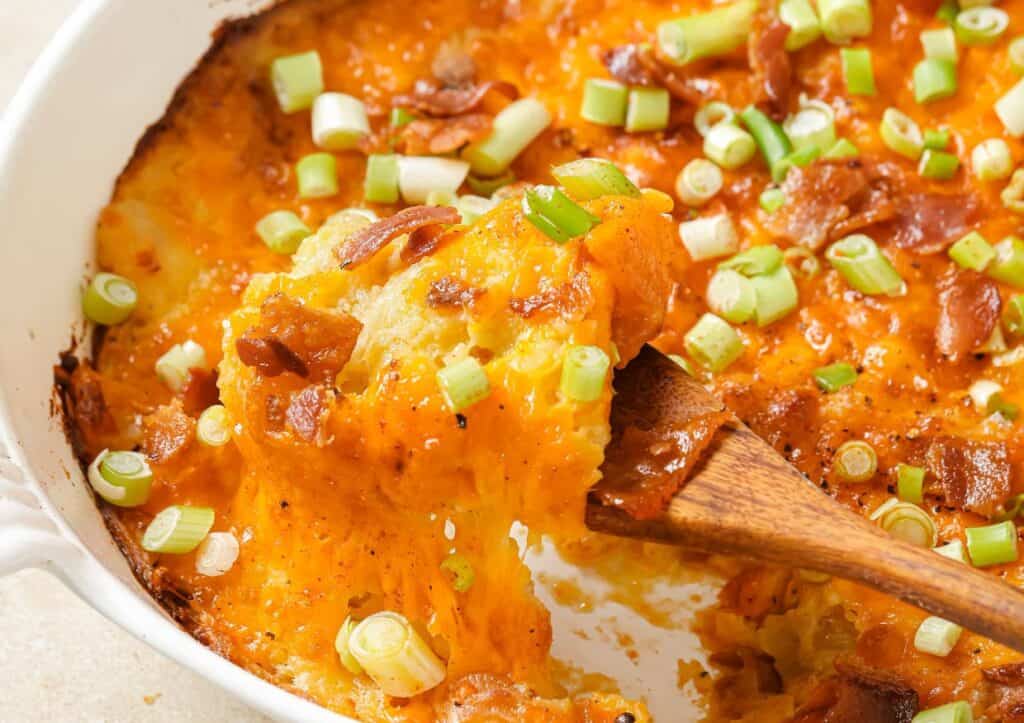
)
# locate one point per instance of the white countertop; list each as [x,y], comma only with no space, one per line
[60,661]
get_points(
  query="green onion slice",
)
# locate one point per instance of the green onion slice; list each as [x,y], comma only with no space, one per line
[954,550]
[463,383]
[1008,264]
[835,376]
[488,186]
[936,140]
[698,182]
[472,207]
[802,262]
[906,522]
[1013,314]
[317,175]
[992,160]
[121,478]
[557,215]
[956,712]
[713,343]
[756,260]
[901,134]
[855,461]
[709,237]
[940,43]
[381,182]
[1010,109]
[771,199]
[419,176]
[980,25]
[400,117]
[604,102]
[282,231]
[174,365]
[777,296]
[797,159]
[213,428]
[514,128]
[217,554]
[1013,195]
[708,34]
[804,26]
[934,79]
[729,145]
[590,178]
[178,529]
[395,656]
[910,483]
[769,136]
[1016,53]
[947,11]
[936,636]
[858,71]
[339,121]
[843,20]
[584,371]
[297,80]
[814,124]
[109,299]
[972,252]
[858,259]
[460,570]
[992,544]
[732,296]
[843,148]
[711,114]
[341,645]
[938,165]
[647,110]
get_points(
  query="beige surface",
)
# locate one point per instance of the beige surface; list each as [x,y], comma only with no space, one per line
[59,660]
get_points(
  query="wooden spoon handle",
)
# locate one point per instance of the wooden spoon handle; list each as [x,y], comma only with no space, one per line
[746,500]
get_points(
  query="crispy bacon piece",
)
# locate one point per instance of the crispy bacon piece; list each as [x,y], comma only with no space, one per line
[561,299]
[1009,674]
[433,99]
[928,223]
[782,417]
[86,403]
[625,65]
[200,391]
[307,412]
[969,307]
[295,338]
[1008,681]
[366,242]
[864,695]
[770,63]
[426,240]
[691,90]
[452,293]
[167,432]
[452,65]
[819,197]
[973,476]
[437,136]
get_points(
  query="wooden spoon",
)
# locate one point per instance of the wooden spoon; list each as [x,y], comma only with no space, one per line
[744,499]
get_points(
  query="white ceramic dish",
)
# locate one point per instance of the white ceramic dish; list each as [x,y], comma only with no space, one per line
[105,77]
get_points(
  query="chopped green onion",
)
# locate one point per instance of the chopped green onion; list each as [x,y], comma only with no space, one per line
[339,121]
[708,34]
[463,383]
[317,175]
[554,213]
[855,461]
[940,43]
[842,20]
[956,712]
[381,183]
[768,135]
[121,478]
[297,80]
[648,110]
[732,296]
[937,636]
[440,198]
[604,102]
[513,129]
[213,428]
[710,115]
[1010,109]
[814,124]
[1011,509]
[1013,195]
[178,529]
[906,522]
[1007,410]
[216,554]
[713,343]
[173,367]
[862,264]
[771,199]
[980,25]
[488,186]
[709,237]
[1008,265]
[938,165]
[729,146]
[395,656]
[936,140]
[698,182]
[843,148]
[910,483]
[797,159]
[756,260]
[109,299]
[1013,314]
[341,646]
[683,364]
[472,207]
[461,572]
[947,11]
[901,134]
[418,176]
[992,544]
[1016,53]
[835,376]
[981,392]
[584,371]
[590,178]
[858,71]
[777,295]
[934,79]
[802,262]
[282,231]
[400,117]
[972,252]
[804,26]
[992,160]
[954,550]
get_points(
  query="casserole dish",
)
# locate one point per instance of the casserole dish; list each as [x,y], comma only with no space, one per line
[63,141]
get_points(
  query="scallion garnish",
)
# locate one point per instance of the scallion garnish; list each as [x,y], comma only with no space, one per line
[213,428]
[419,176]
[339,121]
[709,237]
[835,376]
[590,178]
[381,182]
[776,294]
[768,135]
[698,182]
[906,522]
[217,554]
[1016,52]
[954,550]
[936,636]
[472,207]
[956,712]
[855,461]
[756,260]
[992,544]
[934,79]
[400,117]
[488,186]
[1013,195]
[1010,109]
[647,110]
[843,148]
[395,656]
[178,529]
[901,134]
[123,479]
[711,114]
[557,215]
[708,34]
[992,160]
[980,25]
[604,102]
[729,145]
[460,571]
[797,159]
[297,80]
[317,175]
[282,231]
[109,299]
[862,264]
[940,43]
[713,343]
[732,296]
[938,165]
[910,483]
[514,128]
[1013,314]
[804,26]
[173,366]
[771,199]
[463,383]
[972,252]
[584,371]
[936,140]
[858,71]
[1008,264]
[342,648]
[842,20]
[802,262]
[813,125]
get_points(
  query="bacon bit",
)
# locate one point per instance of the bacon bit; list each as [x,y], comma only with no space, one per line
[818,196]
[770,63]
[1008,678]
[625,66]
[200,391]
[307,413]
[691,90]
[167,432]
[269,355]
[452,293]
[433,99]
[452,65]
[1009,674]
[366,242]
[426,240]
[973,476]
[928,223]
[87,405]
[437,136]
[969,307]
[759,591]
[782,417]
[562,299]
[860,695]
